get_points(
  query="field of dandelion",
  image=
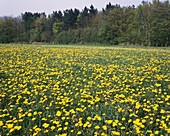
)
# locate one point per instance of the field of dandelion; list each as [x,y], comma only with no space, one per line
[84,90]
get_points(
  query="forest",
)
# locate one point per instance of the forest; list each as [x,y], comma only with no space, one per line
[148,25]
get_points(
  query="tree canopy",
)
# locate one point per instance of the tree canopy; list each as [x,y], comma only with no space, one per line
[148,24]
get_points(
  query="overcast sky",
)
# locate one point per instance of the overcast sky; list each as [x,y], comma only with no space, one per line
[16,7]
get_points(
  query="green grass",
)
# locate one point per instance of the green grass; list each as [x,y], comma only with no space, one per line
[84,90]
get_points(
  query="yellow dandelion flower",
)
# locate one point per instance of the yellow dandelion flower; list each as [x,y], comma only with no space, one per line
[45,125]
[53,127]
[78,133]
[1,123]
[96,127]
[104,127]
[58,113]
[10,126]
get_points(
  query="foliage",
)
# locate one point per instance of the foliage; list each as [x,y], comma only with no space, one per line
[7,30]
[160,30]
[148,25]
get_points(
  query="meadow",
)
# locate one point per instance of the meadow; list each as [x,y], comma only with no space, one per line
[84,90]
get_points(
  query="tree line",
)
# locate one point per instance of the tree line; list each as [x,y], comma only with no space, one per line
[148,24]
